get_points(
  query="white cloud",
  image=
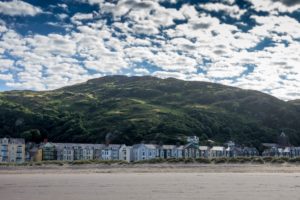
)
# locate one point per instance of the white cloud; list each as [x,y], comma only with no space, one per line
[224,69]
[232,10]
[6,64]
[164,74]
[2,27]
[62,16]
[277,27]
[79,17]
[6,77]
[273,7]
[17,7]
[141,71]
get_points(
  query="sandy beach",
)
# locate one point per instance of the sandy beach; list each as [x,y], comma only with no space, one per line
[148,186]
[151,182]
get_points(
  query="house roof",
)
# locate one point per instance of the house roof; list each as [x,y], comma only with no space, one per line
[249,149]
[192,145]
[203,148]
[149,146]
[269,144]
[217,148]
[78,145]
[180,147]
[49,145]
[168,146]
[13,140]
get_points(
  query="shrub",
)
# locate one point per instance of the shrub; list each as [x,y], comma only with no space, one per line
[294,160]
[173,160]
[189,160]
[267,159]
[233,160]
[279,160]
[55,162]
[258,160]
[219,160]
[38,163]
[244,159]
[150,161]
[80,162]
[203,160]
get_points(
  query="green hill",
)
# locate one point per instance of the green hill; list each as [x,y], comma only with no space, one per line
[133,109]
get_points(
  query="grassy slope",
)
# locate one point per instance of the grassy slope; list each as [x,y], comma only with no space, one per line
[151,109]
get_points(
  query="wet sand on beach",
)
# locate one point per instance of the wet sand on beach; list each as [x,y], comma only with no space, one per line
[148,186]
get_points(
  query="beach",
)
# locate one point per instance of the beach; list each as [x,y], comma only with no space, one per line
[146,183]
[148,186]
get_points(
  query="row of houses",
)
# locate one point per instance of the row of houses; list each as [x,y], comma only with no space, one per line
[138,152]
[290,152]
[15,150]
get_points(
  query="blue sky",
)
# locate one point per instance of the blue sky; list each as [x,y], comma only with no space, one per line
[251,44]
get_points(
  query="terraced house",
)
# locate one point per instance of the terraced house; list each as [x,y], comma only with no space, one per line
[111,152]
[170,151]
[144,152]
[75,151]
[49,151]
[125,153]
[12,150]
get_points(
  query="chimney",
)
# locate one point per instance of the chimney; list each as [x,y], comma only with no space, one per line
[108,139]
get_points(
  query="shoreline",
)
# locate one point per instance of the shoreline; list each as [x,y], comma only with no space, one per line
[152,168]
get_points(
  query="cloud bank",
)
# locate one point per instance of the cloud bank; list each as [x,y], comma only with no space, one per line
[254,47]
[18,8]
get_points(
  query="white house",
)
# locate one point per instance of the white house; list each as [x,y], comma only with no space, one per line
[191,150]
[111,152]
[204,151]
[12,150]
[144,152]
[74,151]
[68,153]
[125,153]
[170,151]
[193,139]
[217,151]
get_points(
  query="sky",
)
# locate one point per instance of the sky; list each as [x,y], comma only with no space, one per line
[251,44]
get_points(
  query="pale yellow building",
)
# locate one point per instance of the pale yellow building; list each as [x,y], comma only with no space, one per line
[12,150]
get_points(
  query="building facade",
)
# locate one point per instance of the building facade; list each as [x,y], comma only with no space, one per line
[144,152]
[12,150]
[110,152]
[191,150]
[49,151]
[170,151]
[125,153]
[217,151]
[204,151]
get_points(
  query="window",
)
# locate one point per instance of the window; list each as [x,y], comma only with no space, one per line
[4,148]
[19,149]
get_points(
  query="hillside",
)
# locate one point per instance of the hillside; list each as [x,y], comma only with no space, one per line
[134,109]
[296,103]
